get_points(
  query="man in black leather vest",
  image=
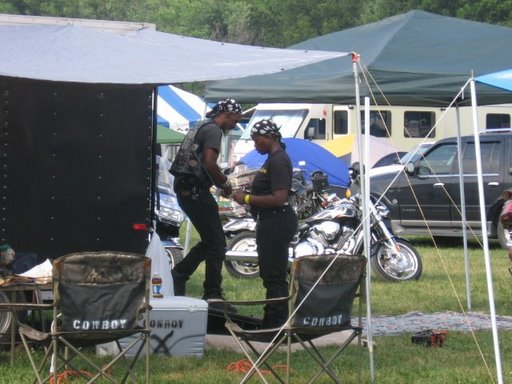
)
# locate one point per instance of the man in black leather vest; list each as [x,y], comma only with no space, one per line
[197,202]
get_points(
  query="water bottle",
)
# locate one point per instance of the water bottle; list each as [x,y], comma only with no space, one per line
[156,286]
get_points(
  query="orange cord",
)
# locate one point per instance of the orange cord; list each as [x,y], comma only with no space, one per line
[62,378]
[243,366]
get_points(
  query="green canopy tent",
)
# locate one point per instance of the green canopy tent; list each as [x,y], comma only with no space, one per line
[168,136]
[416,58]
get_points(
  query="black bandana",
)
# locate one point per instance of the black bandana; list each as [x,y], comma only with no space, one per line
[265,127]
[226,105]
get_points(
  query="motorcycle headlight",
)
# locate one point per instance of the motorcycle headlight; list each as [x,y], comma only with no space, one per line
[170,214]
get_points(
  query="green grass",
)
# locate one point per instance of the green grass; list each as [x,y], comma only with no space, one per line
[442,287]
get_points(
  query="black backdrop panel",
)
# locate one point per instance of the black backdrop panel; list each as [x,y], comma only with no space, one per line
[75,166]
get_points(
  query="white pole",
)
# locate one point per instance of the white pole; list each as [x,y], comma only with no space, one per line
[366,224]
[483,221]
[463,209]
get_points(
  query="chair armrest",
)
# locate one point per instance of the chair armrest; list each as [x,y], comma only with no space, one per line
[229,315]
[251,302]
[33,334]
[24,306]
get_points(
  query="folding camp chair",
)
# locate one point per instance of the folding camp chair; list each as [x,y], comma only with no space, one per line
[98,297]
[322,292]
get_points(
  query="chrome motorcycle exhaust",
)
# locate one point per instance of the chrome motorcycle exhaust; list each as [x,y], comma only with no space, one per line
[242,256]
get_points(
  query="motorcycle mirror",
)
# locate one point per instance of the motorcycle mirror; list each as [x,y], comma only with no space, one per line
[355,169]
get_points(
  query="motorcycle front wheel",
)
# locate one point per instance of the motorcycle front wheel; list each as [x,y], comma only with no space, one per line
[407,265]
[242,242]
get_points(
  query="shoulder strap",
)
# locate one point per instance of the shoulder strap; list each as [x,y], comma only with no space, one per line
[199,125]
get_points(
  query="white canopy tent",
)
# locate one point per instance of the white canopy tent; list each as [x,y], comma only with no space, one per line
[83,55]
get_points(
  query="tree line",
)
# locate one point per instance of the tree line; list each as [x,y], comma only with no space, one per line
[272,23]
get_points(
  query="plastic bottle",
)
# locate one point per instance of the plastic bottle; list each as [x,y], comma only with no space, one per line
[156,285]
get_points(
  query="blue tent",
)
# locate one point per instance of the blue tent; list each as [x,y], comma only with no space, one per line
[501,79]
[316,158]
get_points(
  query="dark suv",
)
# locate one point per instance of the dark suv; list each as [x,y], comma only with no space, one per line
[432,183]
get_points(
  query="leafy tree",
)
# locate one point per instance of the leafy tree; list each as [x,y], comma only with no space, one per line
[488,11]
[286,22]
[277,23]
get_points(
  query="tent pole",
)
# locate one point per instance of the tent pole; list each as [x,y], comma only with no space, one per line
[367,236]
[366,224]
[483,221]
[463,209]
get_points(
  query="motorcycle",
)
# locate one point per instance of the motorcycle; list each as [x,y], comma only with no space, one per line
[338,229]
[169,217]
[305,198]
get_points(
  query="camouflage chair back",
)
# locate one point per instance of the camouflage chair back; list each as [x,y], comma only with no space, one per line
[322,292]
[99,297]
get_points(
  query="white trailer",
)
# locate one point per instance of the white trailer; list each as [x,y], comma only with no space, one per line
[404,126]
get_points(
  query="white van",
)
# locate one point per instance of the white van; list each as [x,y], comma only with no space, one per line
[404,126]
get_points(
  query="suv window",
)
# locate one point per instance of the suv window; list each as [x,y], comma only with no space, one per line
[439,161]
[490,152]
[443,159]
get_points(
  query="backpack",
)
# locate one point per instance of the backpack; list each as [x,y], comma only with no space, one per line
[187,161]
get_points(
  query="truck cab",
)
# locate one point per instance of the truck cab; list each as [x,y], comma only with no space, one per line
[426,198]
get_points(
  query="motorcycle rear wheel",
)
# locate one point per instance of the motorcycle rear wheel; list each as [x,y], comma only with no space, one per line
[408,267]
[243,242]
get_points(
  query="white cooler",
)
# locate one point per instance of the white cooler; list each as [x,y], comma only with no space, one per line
[178,327]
